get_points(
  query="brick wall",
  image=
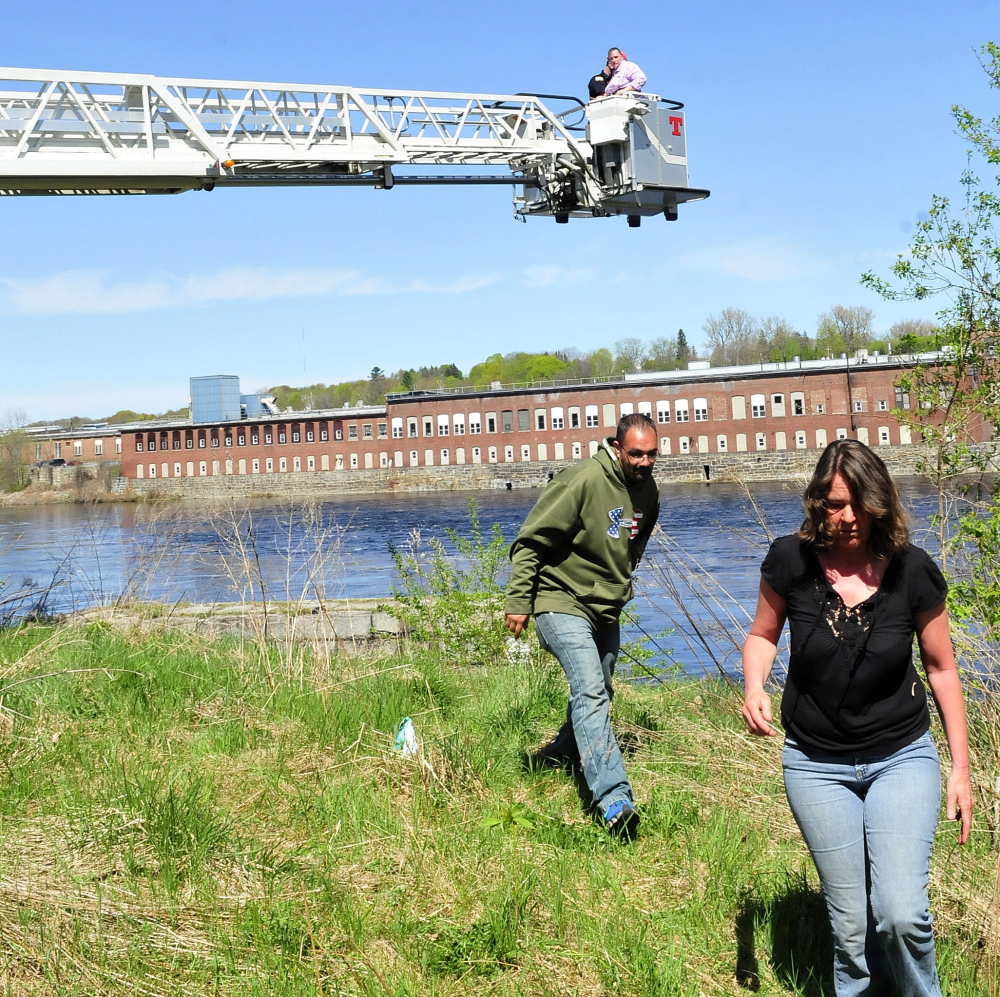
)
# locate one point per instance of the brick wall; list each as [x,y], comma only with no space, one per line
[694,414]
[75,447]
[289,444]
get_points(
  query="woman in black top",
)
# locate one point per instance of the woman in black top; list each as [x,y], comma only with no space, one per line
[861,771]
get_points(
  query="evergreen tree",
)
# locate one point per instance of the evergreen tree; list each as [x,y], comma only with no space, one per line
[683,350]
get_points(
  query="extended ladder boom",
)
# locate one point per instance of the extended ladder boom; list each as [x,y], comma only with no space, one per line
[74,133]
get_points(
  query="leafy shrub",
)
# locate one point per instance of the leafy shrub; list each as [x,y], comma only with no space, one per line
[454,603]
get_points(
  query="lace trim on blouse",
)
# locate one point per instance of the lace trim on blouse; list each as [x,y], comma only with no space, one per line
[847,623]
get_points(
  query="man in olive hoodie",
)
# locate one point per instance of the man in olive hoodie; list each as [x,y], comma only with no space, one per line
[572,567]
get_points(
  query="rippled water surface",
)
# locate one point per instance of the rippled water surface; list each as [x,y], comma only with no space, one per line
[93,554]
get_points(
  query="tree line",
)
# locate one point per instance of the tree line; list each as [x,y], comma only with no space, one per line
[736,337]
[733,336]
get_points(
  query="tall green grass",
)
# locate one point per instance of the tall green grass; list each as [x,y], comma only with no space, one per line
[179,816]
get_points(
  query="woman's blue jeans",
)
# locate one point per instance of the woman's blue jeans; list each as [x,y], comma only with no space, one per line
[869,824]
[587,655]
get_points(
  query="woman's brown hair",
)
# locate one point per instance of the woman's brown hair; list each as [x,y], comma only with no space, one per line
[871,487]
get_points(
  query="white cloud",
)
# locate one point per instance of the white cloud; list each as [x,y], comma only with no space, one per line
[547,276]
[470,282]
[757,260]
[95,292]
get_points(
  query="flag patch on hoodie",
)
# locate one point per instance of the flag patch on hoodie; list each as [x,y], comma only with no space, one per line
[632,525]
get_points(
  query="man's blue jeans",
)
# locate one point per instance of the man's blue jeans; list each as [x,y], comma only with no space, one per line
[587,655]
[869,824]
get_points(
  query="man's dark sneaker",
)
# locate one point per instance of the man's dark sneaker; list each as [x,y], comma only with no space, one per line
[622,820]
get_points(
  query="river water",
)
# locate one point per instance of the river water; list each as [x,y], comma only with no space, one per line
[700,579]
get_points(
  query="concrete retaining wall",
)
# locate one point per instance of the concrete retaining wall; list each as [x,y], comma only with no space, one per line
[773,465]
[339,620]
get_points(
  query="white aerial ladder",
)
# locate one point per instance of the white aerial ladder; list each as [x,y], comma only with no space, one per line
[116,133]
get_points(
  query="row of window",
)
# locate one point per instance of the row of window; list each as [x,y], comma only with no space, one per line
[242,436]
[256,466]
[175,440]
[680,410]
[781,441]
[507,454]
[555,419]
[664,411]
[57,448]
[269,465]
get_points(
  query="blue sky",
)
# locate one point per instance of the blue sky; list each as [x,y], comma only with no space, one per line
[821,130]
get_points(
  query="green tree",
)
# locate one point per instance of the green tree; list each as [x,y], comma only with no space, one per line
[913,336]
[487,371]
[545,367]
[630,354]
[512,367]
[407,380]
[955,257]
[577,363]
[127,415]
[14,452]
[602,363]
[908,343]
[849,327]
[377,374]
[829,341]
[683,350]
[779,341]
[662,354]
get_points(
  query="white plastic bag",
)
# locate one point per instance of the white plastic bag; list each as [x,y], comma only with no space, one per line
[406,738]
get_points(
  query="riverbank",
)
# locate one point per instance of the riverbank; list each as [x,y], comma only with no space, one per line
[69,495]
[751,467]
[184,815]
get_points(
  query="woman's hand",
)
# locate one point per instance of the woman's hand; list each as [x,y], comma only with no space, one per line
[934,638]
[757,713]
[958,796]
[758,659]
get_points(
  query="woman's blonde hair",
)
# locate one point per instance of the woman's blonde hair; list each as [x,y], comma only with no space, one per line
[871,487]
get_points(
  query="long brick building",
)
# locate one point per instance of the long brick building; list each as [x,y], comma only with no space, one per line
[800,405]
[703,410]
